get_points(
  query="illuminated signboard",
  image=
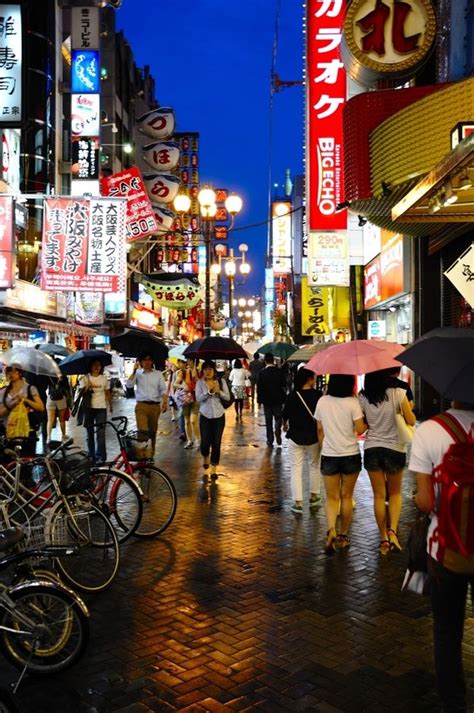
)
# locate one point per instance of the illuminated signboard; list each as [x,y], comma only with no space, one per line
[281,237]
[328,260]
[85,27]
[85,115]
[85,72]
[85,159]
[10,65]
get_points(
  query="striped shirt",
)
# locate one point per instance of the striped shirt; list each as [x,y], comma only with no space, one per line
[382,431]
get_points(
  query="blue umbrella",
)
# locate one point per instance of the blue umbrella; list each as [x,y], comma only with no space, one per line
[80,362]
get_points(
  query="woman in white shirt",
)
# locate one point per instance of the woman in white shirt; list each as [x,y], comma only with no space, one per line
[340,420]
[96,414]
[238,378]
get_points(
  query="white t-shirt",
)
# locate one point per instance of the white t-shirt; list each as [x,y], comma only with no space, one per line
[337,416]
[237,377]
[100,385]
[430,443]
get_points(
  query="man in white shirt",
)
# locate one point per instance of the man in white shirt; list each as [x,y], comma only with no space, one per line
[150,393]
[448,589]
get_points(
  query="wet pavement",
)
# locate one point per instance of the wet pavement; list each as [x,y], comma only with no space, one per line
[236,607]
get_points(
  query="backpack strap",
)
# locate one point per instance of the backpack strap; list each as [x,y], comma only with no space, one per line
[452,426]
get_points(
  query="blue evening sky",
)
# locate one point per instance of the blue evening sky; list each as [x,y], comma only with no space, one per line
[211,61]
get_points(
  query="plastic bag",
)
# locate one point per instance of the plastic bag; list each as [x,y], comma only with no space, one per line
[18,423]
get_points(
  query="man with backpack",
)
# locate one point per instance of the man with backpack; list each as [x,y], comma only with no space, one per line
[442,457]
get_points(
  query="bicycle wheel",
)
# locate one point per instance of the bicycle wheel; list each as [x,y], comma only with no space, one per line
[159,500]
[120,499]
[87,528]
[49,630]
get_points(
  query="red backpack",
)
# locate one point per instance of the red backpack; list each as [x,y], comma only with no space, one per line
[455,503]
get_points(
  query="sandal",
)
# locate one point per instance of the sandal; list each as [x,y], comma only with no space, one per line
[342,541]
[330,542]
[384,547]
[393,539]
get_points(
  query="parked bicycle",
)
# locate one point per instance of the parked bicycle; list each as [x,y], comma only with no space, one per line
[52,510]
[157,490]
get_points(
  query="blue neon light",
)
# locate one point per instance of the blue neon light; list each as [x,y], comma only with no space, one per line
[85,72]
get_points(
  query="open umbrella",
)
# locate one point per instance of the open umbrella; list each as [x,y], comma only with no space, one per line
[444,357]
[282,350]
[54,350]
[309,350]
[360,356]
[79,362]
[215,348]
[177,352]
[133,342]
[31,360]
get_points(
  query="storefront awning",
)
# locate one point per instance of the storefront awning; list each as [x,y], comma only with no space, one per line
[72,328]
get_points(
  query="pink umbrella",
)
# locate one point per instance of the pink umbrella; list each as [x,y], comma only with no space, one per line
[358,357]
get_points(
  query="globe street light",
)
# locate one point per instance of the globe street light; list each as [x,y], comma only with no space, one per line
[230,268]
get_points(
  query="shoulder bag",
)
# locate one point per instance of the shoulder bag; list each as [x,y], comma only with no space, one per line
[313,415]
[404,430]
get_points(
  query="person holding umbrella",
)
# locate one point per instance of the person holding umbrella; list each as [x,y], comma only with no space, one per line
[210,392]
[151,394]
[95,413]
[16,392]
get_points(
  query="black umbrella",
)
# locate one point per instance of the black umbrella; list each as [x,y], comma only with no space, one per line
[79,362]
[444,357]
[215,348]
[133,342]
[54,350]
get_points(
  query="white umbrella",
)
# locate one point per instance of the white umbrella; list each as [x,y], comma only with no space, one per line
[177,352]
[31,360]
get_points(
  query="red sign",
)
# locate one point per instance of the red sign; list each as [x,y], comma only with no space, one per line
[372,283]
[83,246]
[129,184]
[326,95]
[391,264]
[6,243]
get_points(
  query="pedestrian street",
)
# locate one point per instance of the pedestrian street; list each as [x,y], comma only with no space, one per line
[236,607]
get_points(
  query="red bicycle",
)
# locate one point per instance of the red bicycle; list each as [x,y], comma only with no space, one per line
[156,487]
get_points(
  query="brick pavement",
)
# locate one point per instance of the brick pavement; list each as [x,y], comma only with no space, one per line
[236,608]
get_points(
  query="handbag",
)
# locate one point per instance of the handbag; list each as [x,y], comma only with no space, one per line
[405,432]
[416,576]
[18,423]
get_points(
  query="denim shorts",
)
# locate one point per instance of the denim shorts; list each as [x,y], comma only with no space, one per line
[385,459]
[344,465]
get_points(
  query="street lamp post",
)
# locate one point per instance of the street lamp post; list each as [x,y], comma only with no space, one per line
[230,268]
[208,210]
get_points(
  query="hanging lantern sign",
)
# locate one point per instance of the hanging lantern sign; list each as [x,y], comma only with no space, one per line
[157,123]
[161,187]
[164,217]
[218,321]
[173,290]
[162,156]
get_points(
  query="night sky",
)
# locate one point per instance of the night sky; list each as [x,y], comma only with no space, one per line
[211,61]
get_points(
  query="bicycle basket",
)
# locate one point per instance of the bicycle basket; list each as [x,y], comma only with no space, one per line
[138,445]
[75,471]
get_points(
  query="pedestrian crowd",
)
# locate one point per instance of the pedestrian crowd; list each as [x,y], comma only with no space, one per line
[330,425]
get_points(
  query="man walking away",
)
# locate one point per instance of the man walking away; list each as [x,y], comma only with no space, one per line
[255,368]
[450,542]
[271,393]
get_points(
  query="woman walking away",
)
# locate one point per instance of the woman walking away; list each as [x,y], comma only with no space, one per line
[210,393]
[384,456]
[238,379]
[96,414]
[57,402]
[299,421]
[340,419]
[184,388]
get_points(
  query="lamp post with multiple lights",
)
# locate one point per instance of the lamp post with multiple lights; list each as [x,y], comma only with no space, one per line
[230,269]
[208,210]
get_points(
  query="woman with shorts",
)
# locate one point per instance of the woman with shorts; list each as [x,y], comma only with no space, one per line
[384,456]
[340,420]
[56,405]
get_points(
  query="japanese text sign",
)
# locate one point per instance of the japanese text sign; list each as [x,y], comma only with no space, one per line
[85,27]
[461,274]
[85,159]
[83,245]
[10,64]
[372,283]
[85,115]
[281,237]
[328,259]
[391,264]
[326,95]
[314,309]
[140,217]
[6,242]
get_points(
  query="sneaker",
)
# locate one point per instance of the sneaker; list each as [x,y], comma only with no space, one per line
[315,500]
[188,444]
[298,509]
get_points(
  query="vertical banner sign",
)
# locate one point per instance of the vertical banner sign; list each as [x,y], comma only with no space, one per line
[128,184]
[10,65]
[83,245]
[281,237]
[314,309]
[6,243]
[85,28]
[326,95]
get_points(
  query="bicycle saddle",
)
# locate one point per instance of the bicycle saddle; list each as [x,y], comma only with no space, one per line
[10,537]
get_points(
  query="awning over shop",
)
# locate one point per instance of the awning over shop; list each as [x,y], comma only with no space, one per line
[72,328]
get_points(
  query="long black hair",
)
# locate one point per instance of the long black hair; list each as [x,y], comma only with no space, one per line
[302,376]
[375,386]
